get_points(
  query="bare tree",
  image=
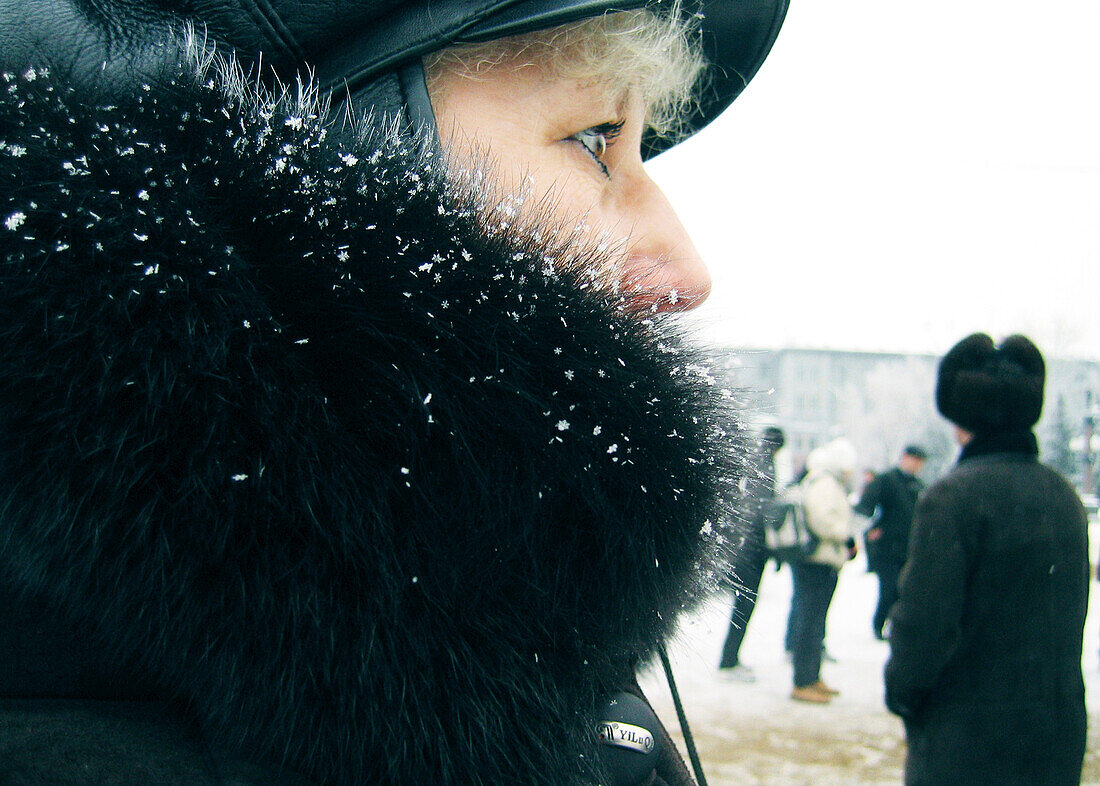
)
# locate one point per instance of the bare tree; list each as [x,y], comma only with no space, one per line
[893,406]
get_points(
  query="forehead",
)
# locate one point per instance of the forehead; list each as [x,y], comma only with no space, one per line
[565,50]
[521,82]
[559,59]
[530,93]
[654,58]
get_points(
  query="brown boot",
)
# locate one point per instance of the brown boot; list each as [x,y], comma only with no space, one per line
[821,686]
[811,694]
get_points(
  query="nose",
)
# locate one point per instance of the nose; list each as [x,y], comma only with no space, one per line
[664,271]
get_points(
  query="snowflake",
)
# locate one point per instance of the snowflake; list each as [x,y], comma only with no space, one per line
[563,425]
[15,220]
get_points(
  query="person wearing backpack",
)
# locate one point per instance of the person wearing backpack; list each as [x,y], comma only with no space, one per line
[825,488]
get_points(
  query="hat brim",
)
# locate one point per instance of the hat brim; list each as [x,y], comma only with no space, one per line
[736,38]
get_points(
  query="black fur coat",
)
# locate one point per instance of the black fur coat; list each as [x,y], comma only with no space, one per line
[986,638]
[364,478]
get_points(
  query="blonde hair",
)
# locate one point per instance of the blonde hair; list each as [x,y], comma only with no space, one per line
[657,56]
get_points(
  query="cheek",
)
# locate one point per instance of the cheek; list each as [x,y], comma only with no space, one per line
[571,196]
[550,182]
[545,174]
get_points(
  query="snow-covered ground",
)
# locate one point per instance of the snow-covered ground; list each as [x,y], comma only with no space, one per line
[754,734]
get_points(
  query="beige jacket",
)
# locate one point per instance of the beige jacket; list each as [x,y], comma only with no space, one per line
[825,498]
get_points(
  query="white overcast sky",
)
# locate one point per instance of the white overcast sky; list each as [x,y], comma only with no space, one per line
[902,173]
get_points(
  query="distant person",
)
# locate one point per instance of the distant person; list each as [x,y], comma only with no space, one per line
[889,500]
[793,613]
[985,663]
[825,489]
[753,556]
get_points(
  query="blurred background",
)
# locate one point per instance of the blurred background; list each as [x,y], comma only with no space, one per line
[897,176]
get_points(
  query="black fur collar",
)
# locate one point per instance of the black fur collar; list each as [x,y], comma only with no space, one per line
[1021,442]
[377,487]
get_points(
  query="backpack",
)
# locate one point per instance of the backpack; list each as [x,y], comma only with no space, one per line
[786,534]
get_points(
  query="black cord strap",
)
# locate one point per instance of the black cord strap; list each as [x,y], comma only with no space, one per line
[689,741]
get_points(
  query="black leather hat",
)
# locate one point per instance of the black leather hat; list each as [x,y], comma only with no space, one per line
[368,50]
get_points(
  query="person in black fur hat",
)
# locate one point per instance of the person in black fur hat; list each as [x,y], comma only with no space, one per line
[346,434]
[985,640]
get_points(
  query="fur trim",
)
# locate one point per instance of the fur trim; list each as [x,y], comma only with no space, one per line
[381,488]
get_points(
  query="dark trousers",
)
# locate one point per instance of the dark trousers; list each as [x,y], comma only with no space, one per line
[794,614]
[888,573]
[750,567]
[814,586]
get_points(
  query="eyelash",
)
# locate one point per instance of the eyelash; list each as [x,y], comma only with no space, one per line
[602,137]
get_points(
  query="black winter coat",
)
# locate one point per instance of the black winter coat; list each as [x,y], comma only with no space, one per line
[314,464]
[985,663]
[890,500]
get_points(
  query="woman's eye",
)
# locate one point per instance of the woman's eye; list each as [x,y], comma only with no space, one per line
[597,139]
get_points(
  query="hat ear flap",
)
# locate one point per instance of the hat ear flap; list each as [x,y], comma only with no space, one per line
[1019,350]
[969,354]
[1024,395]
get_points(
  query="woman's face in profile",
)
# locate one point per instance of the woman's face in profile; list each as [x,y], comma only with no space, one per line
[576,146]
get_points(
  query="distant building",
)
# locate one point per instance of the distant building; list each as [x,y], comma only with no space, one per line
[881,401]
